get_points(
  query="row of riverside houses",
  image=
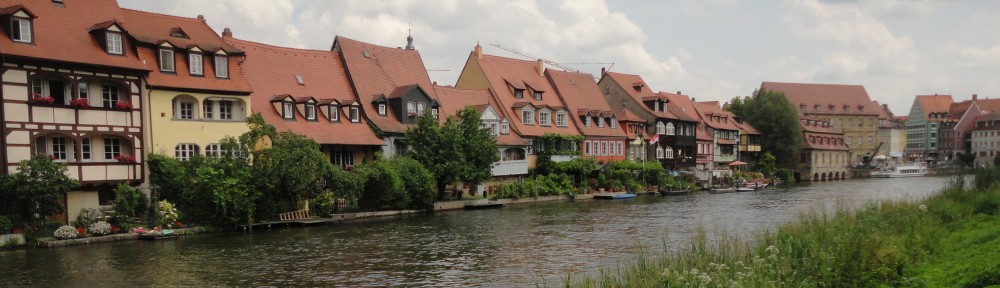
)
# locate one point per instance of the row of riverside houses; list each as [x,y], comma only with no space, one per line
[98,87]
[939,129]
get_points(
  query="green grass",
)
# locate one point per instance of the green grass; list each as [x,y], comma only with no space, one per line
[949,240]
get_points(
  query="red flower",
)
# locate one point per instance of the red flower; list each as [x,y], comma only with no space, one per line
[125,158]
[80,102]
[39,98]
[80,231]
[123,105]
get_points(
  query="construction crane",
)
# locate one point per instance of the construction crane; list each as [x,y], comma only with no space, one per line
[515,51]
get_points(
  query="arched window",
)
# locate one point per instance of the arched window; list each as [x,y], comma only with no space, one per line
[57,88]
[112,93]
[659,152]
[670,129]
[185,107]
[185,151]
[114,147]
[660,129]
[668,153]
[225,109]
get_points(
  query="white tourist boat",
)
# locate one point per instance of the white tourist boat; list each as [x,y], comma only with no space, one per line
[900,171]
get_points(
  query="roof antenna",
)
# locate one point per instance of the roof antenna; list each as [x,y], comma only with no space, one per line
[409,37]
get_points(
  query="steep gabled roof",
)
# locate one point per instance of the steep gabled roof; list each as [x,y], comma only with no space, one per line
[681,107]
[272,70]
[60,33]
[715,117]
[830,98]
[153,29]
[455,99]
[938,104]
[639,91]
[578,92]
[377,70]
[500,71]
[828,137]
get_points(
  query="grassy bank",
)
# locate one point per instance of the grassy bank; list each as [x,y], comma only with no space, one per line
[948,240]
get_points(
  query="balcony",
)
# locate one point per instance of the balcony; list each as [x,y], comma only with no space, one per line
[563,158]
[507,168]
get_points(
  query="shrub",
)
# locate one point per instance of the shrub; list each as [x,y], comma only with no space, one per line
[345,185]
[66,232]
[383,188]
[418,182]
[87,216]
[324,204]
[99,228]
[129,203]
[167,214]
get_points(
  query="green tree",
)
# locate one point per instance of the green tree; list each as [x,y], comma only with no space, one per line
[767,165]
[965,159]
[737,106]
[477,146]
[439,149]
[291,171]
[36,190]
[771,114]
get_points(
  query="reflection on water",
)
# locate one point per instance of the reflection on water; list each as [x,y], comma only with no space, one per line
[520,245]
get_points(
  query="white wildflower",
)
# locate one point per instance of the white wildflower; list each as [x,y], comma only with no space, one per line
[923,208]
[704,278]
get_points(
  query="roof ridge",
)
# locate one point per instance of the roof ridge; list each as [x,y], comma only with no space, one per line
[164,15]
[504,57]
[278,48]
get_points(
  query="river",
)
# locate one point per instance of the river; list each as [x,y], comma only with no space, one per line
[521,245]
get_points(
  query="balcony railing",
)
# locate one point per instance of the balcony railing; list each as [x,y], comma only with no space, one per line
[506,168]
[563,158]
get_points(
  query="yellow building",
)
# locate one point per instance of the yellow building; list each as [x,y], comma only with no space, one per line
[195,94]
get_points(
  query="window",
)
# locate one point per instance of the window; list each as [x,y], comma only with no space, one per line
[310,111]
[213,150]
[860,140]
[85,149]
[587,121]
[342,158]
[185,151]
[561,119]
[114,43]
[21,30]
[226,110]
[420,108]
[528,117]
[586,147]
[411,108]
[544,117]
[659,152]
[538,95]
[166,60]
[668,153]
[355,114]
[614,123]
[209,107]
[519,93]
[870,140]
[660,129]
[58,148]
[195,61]
[604,148]
[381,109]
[434,113]
[505,127]
[83,90]
[221,66]
[286,110]
[333,111]
[112,148]
[600,122]
[109,95]
[185,110]
[621,147]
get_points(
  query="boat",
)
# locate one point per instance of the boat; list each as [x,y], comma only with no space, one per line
[900,171]
[721,190]
[478,205]
[744,189]
[614,196]
[674,192]
[158,235]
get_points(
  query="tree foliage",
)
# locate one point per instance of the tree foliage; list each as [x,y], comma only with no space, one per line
[457,151]
[771,114]
[36,190]
[737,106]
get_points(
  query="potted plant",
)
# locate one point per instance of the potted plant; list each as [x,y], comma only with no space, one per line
[42,99]
[125,158]
[6,224]
[123,105]
[80,102]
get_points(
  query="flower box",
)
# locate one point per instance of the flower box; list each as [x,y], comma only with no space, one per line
[123,105]
[412,114]
[125,158]
[80,102]
[42,99]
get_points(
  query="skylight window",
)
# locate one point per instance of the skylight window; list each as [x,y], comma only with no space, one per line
[298,79]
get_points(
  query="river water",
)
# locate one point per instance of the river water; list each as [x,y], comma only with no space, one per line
[537,244]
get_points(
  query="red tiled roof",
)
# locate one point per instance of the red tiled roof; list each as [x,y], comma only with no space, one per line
[153,29]
[455,99]
[934,104]
[60,33]
[630,82]
[988,105]
[995,116]
[624,114]
[271,71]
[378,70]
[501,70]
[578,92]
[902,118]
[715,117]
[957,109]
[701,134]
[746,127]
[681,107]
[832,137]
[831,98]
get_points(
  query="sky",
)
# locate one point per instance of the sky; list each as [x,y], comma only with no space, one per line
[708,49]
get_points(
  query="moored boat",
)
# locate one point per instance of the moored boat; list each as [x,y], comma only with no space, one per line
[674,192]
[721,190]
[900,171]
[614,196]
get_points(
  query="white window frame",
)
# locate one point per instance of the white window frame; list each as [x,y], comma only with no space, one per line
[355,114]
[505,127]
[310,111]
[519,93]
[586,148]
[196,63]
[537,95]
[527,116]
[221,66]
[214,150]
[544,117]
[659,152]
[114,43]
[226,109]
[614,123]
[333,112]
[621,148]
[411,108]
[186,113]
[600,122]
[208,109]
[185,151]
[112,148]
[381,109]
[420,108]
[287,110]
[86,149]
[167,60]
[109,95]
[660,129]
[434,113]
[24,33]
[561,119]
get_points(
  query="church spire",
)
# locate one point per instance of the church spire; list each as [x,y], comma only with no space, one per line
[409,39]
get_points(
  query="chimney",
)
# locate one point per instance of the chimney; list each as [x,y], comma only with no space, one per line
[479,51]
[975,97]
[679,93]
[226,33]
[201,17]
[603,71]
[541,66]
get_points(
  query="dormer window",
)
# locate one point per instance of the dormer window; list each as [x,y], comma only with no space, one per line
[528,117]
[802,107]
[287,111]
[434,113]
[544,117]
[333,112]
[587,121]
[221,66]
[504,127]
[195,63]
[600,122]
[114,42]
[538,95]
[20,29]
[420,108]
[519,93]
[166,59]
[411,108]
[381,109]
[310,111]
[561,119]
[355,114]
[614,122]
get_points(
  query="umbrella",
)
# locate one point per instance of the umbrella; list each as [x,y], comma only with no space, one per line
[737,163]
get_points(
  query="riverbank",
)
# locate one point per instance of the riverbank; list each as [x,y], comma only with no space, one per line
[950,239]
